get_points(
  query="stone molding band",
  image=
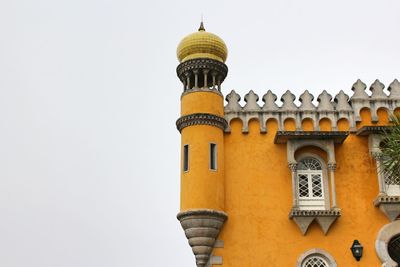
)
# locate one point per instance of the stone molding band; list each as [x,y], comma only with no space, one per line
[201,119]
[202,212]
[387,199]
[311,213]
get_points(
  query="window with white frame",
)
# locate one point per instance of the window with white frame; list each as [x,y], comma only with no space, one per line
[316,258]
[310,184]
[314,261]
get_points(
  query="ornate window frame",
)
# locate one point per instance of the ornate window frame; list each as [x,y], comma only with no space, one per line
[383,238]
[303,218]
[319,253]
[388,204]
[324,178]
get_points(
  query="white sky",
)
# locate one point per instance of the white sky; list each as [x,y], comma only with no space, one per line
[89,163]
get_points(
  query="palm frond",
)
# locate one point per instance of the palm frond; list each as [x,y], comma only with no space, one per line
[391,148]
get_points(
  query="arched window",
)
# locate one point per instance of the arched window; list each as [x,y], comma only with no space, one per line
[387,244]
[394,249]
[314,261]
[316,258]
[310,184]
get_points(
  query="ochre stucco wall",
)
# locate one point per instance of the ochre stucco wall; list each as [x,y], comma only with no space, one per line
[258,199]
[253,186]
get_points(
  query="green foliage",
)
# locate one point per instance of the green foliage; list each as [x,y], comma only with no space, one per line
[391,148]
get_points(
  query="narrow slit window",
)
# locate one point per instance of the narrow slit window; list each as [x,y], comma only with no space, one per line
[185,158]
[213,156]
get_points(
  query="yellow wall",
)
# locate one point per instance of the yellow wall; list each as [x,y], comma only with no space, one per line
[253,186]
[258,199]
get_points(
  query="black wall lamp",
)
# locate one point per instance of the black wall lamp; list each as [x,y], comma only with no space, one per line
[357,250]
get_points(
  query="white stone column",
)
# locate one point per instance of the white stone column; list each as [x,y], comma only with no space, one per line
[381,179]
[196,79]
[332,169]
[293,168]
[205,72]
[187,74]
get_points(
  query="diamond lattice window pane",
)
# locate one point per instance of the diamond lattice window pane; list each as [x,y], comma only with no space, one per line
[309,164]
[315,262]
[303,185]
[391,179]
[316,185]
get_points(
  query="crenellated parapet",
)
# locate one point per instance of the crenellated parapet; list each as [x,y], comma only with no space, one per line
[332,108]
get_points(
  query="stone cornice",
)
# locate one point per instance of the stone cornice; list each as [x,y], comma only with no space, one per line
[200,119]
[367,130]
[338,137]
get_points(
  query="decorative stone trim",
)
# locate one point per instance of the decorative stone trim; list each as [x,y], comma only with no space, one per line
[202,228]
[386,233]
[314,213]
[292,166]
[367,130]
[325,218]
[201,63]
[317,252]
[200,119]
[201,89]
[203,73]
[389,205]
[282,137]
[342,107]
[332,166]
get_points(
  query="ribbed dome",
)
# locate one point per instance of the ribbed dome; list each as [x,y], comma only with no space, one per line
[202,44]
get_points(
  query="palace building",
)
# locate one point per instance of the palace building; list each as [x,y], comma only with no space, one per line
[268,185]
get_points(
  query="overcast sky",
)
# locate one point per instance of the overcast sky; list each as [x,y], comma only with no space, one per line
[89,152]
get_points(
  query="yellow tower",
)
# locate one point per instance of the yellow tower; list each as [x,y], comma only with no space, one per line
[202,71]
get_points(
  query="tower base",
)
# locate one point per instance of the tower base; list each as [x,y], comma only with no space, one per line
[202,228]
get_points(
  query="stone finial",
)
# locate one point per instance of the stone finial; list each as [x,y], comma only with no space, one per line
[324,100]
[377,90]
[306,101]
[251,99]
[233,102]
[269,99]
[359,90]
[394,89]
[342,102]
[288,101]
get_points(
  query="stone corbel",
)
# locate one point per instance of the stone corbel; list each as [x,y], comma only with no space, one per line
[389,205]
[202,228]
[304,218]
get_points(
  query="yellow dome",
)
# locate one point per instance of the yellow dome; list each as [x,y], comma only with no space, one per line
[202,44]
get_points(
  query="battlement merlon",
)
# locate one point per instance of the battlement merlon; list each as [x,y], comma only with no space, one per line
[342,106]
